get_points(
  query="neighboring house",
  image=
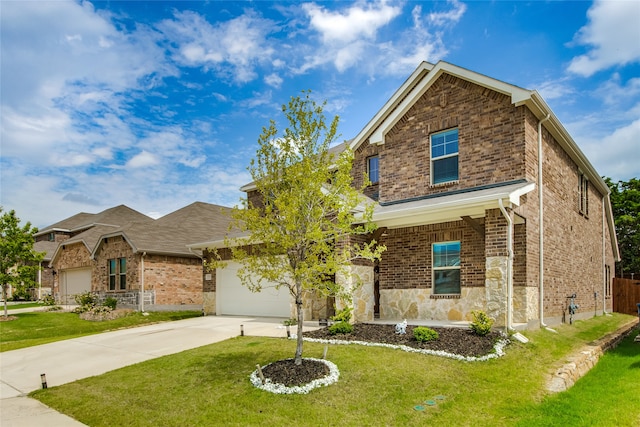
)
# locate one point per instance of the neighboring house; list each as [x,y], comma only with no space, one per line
[152,259]
[68,245]
[457,161]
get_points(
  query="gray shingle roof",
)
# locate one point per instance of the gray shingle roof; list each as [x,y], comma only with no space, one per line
[118,215]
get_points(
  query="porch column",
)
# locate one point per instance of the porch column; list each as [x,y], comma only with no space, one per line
[497,259]
[357,282]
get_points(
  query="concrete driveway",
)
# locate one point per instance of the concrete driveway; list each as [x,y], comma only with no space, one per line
[70,360]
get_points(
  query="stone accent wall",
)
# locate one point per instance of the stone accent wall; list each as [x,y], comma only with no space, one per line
[417,304]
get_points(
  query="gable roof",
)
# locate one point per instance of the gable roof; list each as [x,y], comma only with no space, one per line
[116,216]
[426,74]
[170,234]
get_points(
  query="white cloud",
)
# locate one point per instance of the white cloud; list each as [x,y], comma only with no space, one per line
[143,159]
[450,16]
[612,35]
[361,20]
[232,48]
[273,80]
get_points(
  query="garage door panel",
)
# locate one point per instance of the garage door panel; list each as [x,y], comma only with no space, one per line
[74,282]
[232,298]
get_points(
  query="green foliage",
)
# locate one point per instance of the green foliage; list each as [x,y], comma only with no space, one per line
[110,302]
[625,205]
[18,261]
[20,293]
[424,334]
[341,328]
[290,322]
[48,300]
[86,301]
[306,208]
[343,315]
[481,324]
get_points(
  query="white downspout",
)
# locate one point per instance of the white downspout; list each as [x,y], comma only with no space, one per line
[142,282]
[604,264]
[509,266]
[541,225]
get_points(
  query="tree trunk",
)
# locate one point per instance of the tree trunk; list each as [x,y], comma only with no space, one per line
[4,298]
[298,358]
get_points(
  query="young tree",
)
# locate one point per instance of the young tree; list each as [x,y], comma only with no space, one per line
[299,234]
[18,261]
[625,204]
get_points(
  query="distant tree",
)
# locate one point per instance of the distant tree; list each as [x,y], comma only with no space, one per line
[625,203]
[307,212]
[18,261]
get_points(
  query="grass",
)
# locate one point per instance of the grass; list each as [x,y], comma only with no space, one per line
[209,386]
[16,306]
[37,328]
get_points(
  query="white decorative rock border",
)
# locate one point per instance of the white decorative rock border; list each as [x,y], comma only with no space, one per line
[498,349]
[278,388]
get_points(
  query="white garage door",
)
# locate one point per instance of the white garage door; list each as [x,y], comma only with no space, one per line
[232,298]
[74,282]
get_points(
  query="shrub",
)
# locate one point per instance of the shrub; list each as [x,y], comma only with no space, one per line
[48,300]
[481,324]
[290,322]
[424,334]
[341,328]
[85,300]
[343,315]
[110,302]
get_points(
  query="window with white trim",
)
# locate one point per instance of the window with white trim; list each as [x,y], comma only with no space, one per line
[444,156]
[446,268]
[583,192]
[117,274]
[372,169]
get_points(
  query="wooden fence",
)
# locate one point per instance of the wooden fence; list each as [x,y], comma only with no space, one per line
[626,295]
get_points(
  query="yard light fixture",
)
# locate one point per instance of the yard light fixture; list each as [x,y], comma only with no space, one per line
[43,379]
[241,330]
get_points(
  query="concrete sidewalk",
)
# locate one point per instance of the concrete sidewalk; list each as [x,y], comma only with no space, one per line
[70,360]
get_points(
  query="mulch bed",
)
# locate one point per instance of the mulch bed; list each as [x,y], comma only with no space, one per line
[459,341]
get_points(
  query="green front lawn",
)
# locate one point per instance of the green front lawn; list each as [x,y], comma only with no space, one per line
[37,328]
[209,386]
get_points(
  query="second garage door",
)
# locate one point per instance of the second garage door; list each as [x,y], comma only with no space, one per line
[232,298]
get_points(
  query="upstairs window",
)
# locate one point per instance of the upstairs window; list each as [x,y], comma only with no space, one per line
[444,156]
[446,268]
[583,192]
[51,237]
[117,274]
[372,169]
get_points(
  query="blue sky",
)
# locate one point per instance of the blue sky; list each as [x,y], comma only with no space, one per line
[159,104]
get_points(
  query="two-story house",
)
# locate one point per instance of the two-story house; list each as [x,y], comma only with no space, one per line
[484,202]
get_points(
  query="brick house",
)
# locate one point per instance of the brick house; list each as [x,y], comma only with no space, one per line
[66,269]
[148,266]
[142,262]
[457,161]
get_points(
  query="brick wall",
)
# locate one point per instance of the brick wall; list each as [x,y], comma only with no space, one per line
[115,247]
[491,136]
[407,262]
[175,280]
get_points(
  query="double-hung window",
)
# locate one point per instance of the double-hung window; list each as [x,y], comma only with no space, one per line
[117,274]
[583,191]
[444,156]
[372,169]
[446,268]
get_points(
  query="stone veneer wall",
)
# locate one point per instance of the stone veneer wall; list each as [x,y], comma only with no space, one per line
[417,304]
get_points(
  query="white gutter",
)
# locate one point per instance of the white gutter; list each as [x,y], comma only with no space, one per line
[509,313]
[142,282]
[541,225]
